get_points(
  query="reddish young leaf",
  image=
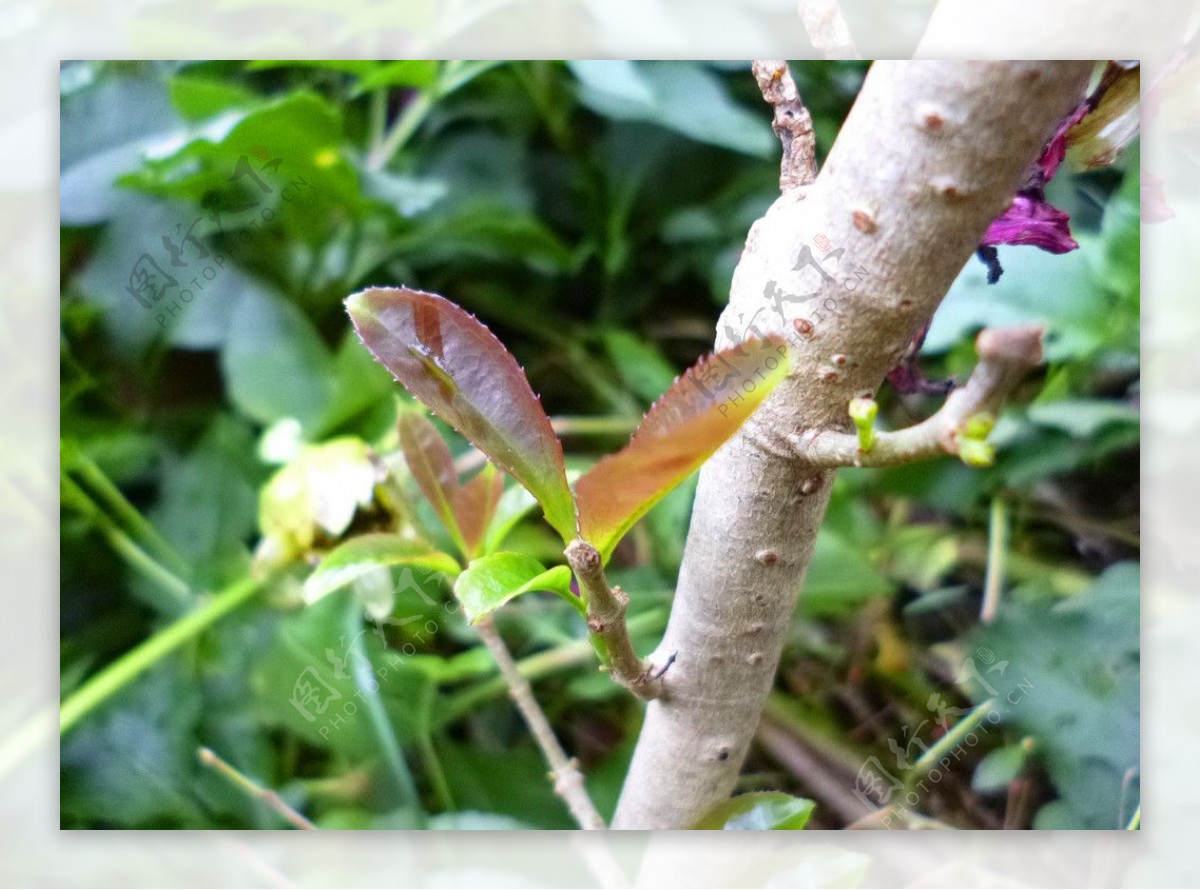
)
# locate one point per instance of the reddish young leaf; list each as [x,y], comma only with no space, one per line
[452,363]
[700,411]
[432,466]
[475,504]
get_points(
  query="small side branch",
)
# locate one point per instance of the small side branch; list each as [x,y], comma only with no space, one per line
[606,607]
[1006,355]
[249,787]
[792,123]
[564,771]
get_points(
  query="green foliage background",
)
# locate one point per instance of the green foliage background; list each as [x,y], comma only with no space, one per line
[591,214]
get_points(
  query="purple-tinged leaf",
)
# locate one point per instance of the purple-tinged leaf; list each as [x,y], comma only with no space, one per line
[475,504]
[1031,220]
[451,362]
[700,411]
[432,466]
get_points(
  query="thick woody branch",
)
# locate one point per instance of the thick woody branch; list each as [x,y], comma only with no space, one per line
[568,781]
[792,123]
[849,269]
[1006,355]
[606,607]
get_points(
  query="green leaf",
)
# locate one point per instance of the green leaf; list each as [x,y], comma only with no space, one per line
[452,363]
[639,364]
[1080,316]
[359,67]
[281,168]
[998,769]
[840,576]
[270,340]
[106,129]
[1067,674]
[685,98]
[400,73]
[693,419]
[365,553]
[133,765]
[759,811]
[207,507]
[514,505]
[1083,418]
[491,581]
[198,98]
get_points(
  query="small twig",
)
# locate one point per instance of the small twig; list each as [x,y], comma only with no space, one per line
[211,759]
[792,124]
[535,667]
[827,29]
[947,744]
[1005,356]
[606,607]
[116,676]
[568,781]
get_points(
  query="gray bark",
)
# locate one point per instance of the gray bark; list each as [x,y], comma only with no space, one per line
[930,153]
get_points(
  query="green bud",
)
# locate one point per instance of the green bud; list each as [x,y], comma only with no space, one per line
[976,452]
[863,412]
[979,426]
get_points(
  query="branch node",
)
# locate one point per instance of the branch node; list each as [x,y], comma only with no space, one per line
[606,607]
[960,427]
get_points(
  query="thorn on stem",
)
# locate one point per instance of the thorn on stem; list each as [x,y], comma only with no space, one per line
[657,675]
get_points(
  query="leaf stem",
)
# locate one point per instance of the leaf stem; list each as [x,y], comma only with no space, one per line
[101,686]
[454,75]
[606,607]
[568,781]
[177,593]
[948,742]
[433,763]
[244,783]
[363,672]
[90,472]
[997,546]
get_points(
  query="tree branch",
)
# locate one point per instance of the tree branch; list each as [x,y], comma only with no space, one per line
[606,607]
[849,269]
[792,123]
[1006,355]
[568,781]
